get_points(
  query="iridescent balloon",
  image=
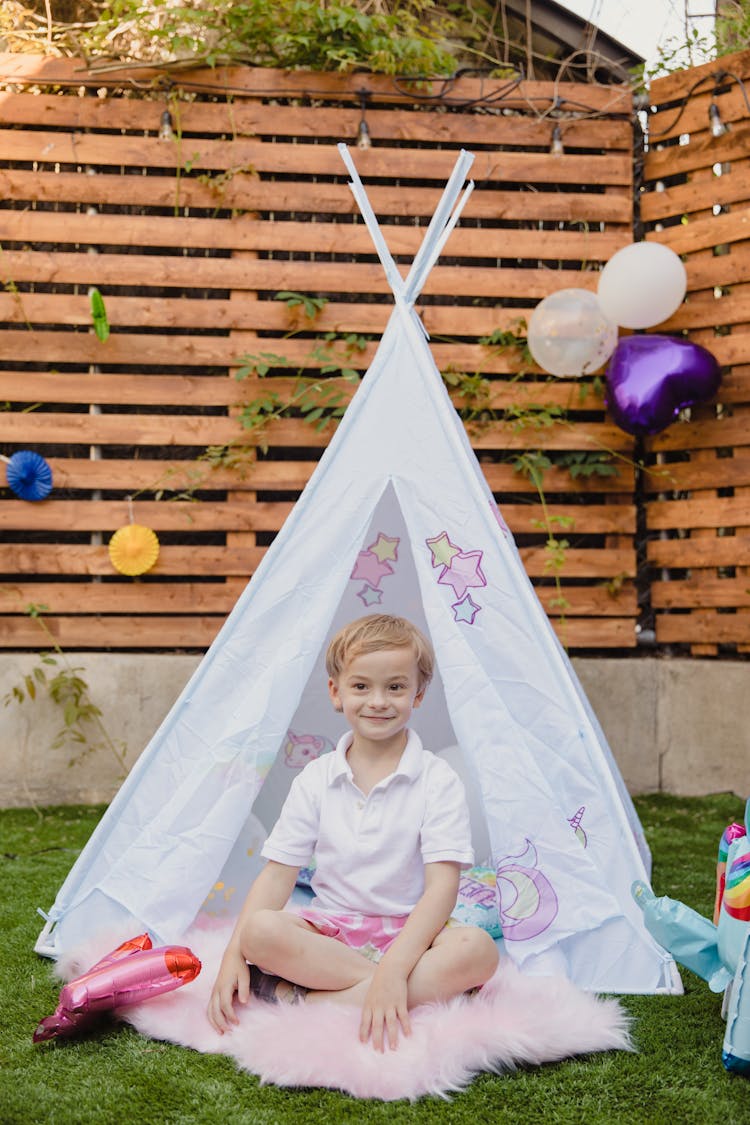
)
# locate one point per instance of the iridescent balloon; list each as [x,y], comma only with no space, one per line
[650,379]
[569,334]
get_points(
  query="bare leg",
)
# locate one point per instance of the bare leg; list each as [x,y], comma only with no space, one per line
[281,943]
[460,958]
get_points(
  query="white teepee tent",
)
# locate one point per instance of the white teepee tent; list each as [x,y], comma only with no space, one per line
[396,518]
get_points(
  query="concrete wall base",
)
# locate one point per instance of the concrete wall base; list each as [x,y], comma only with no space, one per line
[674,726]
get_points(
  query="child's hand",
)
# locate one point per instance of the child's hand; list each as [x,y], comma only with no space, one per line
[385,1007]
[233,977]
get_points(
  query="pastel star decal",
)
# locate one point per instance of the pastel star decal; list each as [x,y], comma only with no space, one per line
[499,519]
[464,571]
[370,569]
[370,596]
[465,610]
[442,549]
[385,547]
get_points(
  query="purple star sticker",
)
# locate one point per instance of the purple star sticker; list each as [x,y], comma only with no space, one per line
[370,596]
[464,571]
[499,519]
[465,610]
[370,568]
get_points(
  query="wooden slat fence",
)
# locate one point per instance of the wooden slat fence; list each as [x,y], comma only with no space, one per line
[697,201]
[191,240]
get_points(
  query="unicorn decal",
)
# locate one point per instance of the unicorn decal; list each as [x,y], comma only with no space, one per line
[299,749]
[526,900]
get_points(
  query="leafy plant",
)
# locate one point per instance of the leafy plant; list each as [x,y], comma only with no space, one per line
[390,38]
[474,393]
[99,315]
[514,338]
[588,464]
[64,684]
[538,415]
[316,400]
[312,305]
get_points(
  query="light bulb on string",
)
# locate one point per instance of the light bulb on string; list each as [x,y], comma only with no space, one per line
[166,132]
[557,147]
[364,140]
[717,126]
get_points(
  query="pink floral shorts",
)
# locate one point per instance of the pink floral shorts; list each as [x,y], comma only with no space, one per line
[370,934]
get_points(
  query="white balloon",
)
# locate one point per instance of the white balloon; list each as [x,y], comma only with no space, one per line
[642,285]
[568,333]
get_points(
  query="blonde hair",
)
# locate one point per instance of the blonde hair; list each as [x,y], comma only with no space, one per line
[378,631]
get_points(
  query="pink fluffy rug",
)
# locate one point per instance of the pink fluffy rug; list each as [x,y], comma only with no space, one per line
[514,1020]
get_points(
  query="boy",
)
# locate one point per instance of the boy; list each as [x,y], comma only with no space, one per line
[389,826]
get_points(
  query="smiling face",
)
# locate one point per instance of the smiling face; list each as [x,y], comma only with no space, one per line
[377,692]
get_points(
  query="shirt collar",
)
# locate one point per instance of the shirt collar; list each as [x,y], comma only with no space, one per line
[409,766]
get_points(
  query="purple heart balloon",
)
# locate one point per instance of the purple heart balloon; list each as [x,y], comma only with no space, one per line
[650,379]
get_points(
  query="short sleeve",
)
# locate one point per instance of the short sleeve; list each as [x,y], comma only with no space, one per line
[446,828]
[295,834]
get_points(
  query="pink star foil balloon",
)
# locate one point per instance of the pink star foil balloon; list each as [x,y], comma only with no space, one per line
[650,379]
[130,974]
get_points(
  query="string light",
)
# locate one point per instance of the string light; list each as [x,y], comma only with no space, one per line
[557,147]
[166,132]
[363,133]
[718,128]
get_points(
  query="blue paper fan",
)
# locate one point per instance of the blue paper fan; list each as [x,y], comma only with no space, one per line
[29,475]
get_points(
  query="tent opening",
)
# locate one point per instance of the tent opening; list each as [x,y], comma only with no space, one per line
[383,580]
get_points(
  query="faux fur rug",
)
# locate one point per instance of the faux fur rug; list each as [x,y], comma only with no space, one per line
[514,1020]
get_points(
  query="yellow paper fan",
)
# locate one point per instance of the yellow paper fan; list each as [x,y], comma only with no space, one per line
[133,549]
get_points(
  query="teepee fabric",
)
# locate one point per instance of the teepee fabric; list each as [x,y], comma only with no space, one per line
[396,518]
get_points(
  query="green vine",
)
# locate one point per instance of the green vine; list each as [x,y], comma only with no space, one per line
[64,685]
[316,400]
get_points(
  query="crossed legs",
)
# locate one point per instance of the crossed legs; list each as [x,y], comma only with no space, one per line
[281,943]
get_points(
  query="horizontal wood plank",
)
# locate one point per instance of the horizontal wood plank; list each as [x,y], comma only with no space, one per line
[683,83]
[691,116]
[242,191]
[118,388]
[733,511]
[694,475]
[247,233]
[50,559]
[243,81]
[195,430]
[178,476]
[706,233]
[701,592]
[687,198]
[724,433]
[203,154]
[242,118]
[149,597]
[196,633]
[703,626]
[684,553]
[202,273]
[250,515]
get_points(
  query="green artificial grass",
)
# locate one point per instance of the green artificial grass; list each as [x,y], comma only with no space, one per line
[114,1075]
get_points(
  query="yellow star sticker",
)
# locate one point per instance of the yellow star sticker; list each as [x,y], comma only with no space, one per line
[384,547]
[442,549]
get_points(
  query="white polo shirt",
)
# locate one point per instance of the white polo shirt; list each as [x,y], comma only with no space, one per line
[370,851]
